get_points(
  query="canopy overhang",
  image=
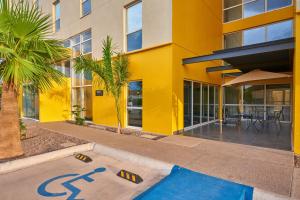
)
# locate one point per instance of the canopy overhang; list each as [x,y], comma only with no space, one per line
[256,75]
[274,56]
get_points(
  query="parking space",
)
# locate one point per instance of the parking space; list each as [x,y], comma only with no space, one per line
[70,178]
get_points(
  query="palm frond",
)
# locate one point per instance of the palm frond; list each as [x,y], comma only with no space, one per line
[25,46]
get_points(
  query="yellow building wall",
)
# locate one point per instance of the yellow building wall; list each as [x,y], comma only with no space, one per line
[197,30]
[55,104]
[259,20]
[153,67]
[296,113]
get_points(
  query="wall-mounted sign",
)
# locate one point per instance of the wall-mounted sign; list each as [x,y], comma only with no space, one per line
[99,93]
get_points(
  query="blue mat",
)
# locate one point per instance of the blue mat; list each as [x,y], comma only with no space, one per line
[184,184]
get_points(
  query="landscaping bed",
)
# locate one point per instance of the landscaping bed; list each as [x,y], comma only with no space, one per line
[39,141]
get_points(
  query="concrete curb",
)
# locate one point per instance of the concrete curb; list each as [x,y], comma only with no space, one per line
[259,194]
[166,168]
[15,165]
[163,167]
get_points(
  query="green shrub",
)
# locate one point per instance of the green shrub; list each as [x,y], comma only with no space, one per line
[77,113]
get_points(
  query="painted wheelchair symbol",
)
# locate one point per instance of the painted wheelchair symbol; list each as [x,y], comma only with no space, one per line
[42,190]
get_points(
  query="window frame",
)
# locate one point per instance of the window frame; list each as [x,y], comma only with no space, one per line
[266,38]
[126,25]
[242,4]
[81,8]
[134,107]
[55,19]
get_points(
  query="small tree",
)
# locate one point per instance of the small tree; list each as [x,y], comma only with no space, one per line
[112,71]
[27,54]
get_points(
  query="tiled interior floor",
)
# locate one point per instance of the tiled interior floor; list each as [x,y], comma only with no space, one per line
[270,135]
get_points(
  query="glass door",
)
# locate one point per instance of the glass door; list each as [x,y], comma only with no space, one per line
[204,103]
[135,104]
[196,103]
[30,102]
[201,104]
[187,103]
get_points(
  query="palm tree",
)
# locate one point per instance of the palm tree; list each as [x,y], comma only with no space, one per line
[112,71]
[26,57]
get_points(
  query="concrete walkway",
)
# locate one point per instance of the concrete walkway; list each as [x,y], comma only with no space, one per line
[267,169]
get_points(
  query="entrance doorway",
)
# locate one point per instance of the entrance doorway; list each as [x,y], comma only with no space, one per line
[201,104]
[135,104]
[30,102]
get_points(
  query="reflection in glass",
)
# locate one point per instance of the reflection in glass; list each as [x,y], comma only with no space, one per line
[280,30]
[134,41]
[275,4]
[231,3]
[254,8]
[254,36]
[87,78]
[87,47]
[233,40]
[279,100]
[232,95]
[196,103]
[204,103]
[217,102]
[135,117]
[86,7]
[88,103]
[254,94]
[187,103]
[234,13]
[30,102]
[67,68]
[211,103]
[134,18]
[77,100]
[135,103]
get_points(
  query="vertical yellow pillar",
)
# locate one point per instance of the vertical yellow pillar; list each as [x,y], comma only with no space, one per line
[221,93]
[296,86]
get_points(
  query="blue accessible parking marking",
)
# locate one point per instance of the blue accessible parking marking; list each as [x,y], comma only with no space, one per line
[42,190]
[184,184]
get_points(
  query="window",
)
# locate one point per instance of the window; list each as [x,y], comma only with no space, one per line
[57,16]
[254,8]
[80,44]
[134,27]
[200,103]
[271,32]
[86,7]
[254,36]
[239,9]
[37,4]
[280,30]
[275,4]
[135,103]
[81,82]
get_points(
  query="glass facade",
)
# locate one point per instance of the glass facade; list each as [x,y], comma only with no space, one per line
[239,9]
[80,44]
[135,104]
[201,102]
[259,100]
[134,27]
[271,32]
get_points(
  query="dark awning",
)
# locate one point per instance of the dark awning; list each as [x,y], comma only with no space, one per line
[272,56]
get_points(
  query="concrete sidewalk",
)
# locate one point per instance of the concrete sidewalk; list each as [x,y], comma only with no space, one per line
[42,182]
[267,169]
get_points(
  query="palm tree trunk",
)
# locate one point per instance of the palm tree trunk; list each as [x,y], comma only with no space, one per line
[10,143]
[117,102]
